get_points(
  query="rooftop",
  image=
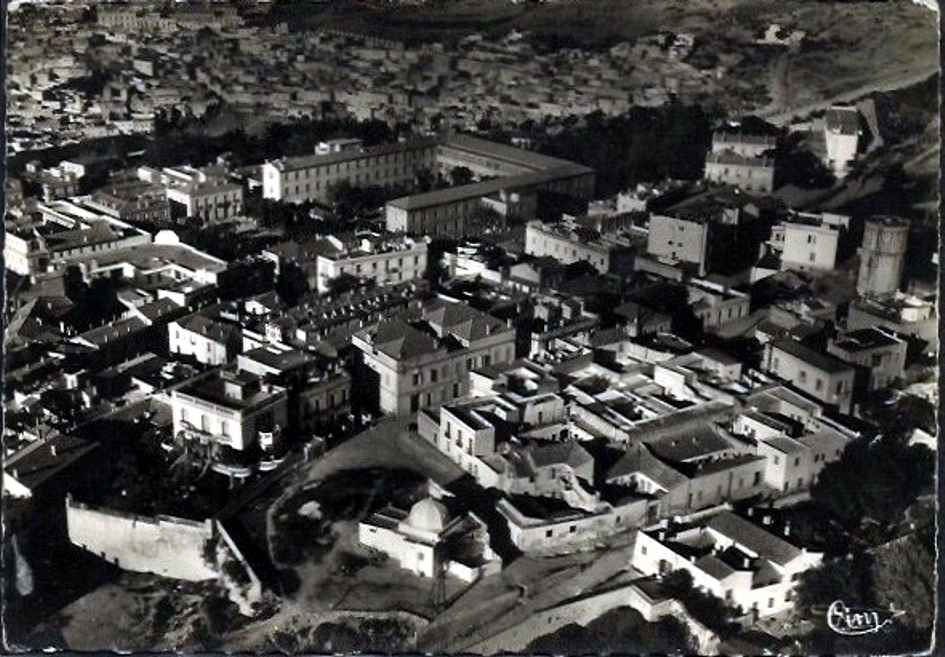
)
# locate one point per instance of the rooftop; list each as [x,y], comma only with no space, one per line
[733,158]
[39,461]
[845,120]
[234,390]
[308,161]
[864,339]
[823,362]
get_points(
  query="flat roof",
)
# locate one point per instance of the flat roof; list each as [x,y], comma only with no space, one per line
[486,187]
[504,152]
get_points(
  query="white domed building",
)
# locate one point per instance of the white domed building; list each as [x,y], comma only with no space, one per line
[428,538]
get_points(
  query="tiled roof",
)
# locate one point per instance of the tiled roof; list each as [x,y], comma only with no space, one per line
[756,539]
[823,362]
[690,444]
[640,460]
[569,453]
[41,460]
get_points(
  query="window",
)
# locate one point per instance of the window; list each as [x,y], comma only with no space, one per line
[839,387]
[433,376]
[770,602]
[777,460]
[797,461]
[819,384]
[572,529]
[417,378]
[812,256]
[757,478]
[549,534]
[803,376]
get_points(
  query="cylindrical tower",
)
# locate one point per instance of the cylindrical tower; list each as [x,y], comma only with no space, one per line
[882,255]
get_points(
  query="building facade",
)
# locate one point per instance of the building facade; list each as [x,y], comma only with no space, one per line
[677,239]
[383,260]
[731,557]
[823,377]
[310,178]
[752,174]
[424,361]
[234,409]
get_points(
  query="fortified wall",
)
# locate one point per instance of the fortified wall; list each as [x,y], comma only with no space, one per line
[162,545]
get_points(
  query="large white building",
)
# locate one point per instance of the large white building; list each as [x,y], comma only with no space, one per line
[568,245]
[311,177]
[234,409]
[430,541]
[381,259]
[808,242]
[822,376]
[207,194]
[66,231]
[731,557]
[680,240]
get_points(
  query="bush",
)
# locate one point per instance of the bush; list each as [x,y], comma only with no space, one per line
[235,571]
[704,607]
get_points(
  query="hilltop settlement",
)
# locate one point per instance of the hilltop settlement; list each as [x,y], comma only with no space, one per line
[438,385]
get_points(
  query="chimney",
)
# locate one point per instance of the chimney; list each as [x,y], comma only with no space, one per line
[746,563]
[787,529]
[767,520]
[662,534]
[692,558]
[751,512]
[52,450]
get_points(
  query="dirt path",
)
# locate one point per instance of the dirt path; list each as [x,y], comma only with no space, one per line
[902,79]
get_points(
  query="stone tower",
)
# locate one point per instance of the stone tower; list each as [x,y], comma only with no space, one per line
[882,255]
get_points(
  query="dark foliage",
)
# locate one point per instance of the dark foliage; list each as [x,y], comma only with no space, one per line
[621,631]
[704,607]
[875,480]
[645,144]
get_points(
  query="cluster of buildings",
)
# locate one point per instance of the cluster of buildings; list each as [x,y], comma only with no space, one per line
[663,362]
[72,79]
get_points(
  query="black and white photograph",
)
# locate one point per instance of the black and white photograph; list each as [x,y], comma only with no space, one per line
[480,327]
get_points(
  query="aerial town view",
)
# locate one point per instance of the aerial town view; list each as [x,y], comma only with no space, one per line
[471,326]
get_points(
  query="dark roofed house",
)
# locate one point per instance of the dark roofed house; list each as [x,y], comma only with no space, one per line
[37,478]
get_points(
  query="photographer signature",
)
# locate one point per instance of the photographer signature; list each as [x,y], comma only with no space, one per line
[857,621]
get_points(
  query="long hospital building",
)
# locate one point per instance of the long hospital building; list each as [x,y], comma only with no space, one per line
[511,178]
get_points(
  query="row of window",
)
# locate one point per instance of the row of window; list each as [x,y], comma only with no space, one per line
[409,157]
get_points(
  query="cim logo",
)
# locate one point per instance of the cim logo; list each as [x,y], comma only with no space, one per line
[857,621]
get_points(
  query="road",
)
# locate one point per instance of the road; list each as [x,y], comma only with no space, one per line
[479,622]
[889,83]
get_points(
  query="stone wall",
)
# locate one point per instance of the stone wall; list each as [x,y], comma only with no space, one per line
[162,545]
[583,610]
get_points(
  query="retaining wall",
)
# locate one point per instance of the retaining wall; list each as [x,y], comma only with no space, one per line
[584,610]
[162,545]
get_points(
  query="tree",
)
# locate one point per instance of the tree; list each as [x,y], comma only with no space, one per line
[424,179]
[841,579]
[461,175]
[875,479]
[904,578]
